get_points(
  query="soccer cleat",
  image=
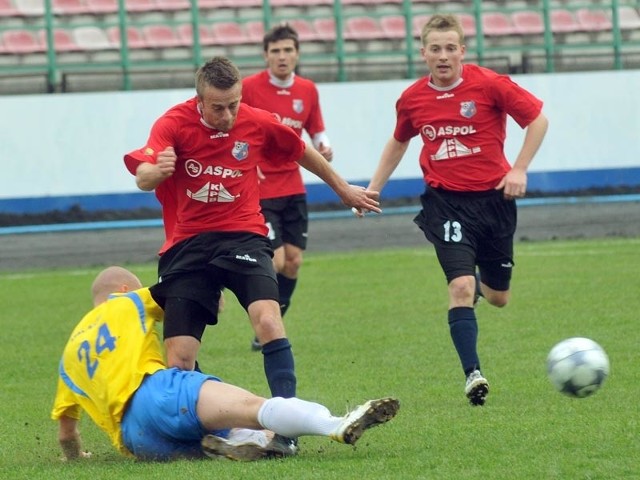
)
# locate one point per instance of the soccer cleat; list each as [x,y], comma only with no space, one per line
[256,346]
[476,388]
[247,450]
[370,414]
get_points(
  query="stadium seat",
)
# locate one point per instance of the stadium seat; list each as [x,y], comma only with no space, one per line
[30,8]
[173,5]
[362,28]
[62,40]
[563,21]
[305,30]
[91,38]
[496,24]
[141,6]
[325,29]
[419,22]
[135,39]
[185,34]
[69,7]
[254,30]
[629,18]
[101,7]
[161,36]
[468,23]
[527,22]
[7,9]
[393,26]
[228,33]
[593,20]
[20,42]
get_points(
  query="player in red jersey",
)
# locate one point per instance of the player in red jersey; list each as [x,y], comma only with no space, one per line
[201,158]
[468,208]
[295,102]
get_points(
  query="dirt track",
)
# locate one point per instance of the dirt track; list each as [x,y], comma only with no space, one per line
[138,245]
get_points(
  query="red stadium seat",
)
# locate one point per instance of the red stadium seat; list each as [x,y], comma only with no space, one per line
[468,22]
[306,32]
[141,5]
[325,28]
[229,33]
[91,38]
[185,33]
[100,7]
[563,21]
[393,26]
[362,28]
[255,31]
[135,39]
[20,42]
[496,24]
[593,20]
[161,36]
[419,22]
[62,40]
[527,22]
[7,9]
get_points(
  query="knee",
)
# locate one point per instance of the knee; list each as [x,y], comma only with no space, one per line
[462,289]
[498,298]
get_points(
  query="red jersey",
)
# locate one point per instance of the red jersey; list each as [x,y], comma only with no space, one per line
[298,107]
[463,127]
[215,185]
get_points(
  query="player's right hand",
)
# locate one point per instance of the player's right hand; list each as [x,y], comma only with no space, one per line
[166,161]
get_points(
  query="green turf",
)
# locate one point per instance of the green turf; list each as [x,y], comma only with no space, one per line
[371,324]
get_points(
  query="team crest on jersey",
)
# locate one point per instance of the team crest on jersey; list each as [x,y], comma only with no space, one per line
[240,150]
[298,105]
[468,109]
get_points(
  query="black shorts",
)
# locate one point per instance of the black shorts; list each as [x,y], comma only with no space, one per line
[199,267]
[287,219]
[469,229]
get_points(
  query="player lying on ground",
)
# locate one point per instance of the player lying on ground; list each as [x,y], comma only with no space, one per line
[113,368]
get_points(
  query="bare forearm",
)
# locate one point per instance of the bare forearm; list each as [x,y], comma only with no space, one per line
[71,447]
[148,177]
[532,141]
[391,155]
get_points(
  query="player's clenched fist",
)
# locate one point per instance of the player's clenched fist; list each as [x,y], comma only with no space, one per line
[166,161]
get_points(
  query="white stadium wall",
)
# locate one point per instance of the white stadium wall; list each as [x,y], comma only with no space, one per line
[62,150]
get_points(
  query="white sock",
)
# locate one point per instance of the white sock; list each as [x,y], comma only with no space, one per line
[292,417]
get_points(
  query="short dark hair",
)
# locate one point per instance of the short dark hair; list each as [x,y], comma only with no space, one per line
[219,72]
[283,31]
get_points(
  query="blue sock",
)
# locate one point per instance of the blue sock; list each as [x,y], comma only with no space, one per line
[464,333]
[286,286]
[279,368]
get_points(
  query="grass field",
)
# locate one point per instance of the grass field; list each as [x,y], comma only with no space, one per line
[372,324]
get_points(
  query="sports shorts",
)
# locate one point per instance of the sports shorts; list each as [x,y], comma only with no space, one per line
[160,421]
[470,229]
[287,219]
[198,268]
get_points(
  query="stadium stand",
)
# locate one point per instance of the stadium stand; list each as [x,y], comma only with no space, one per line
[373,33]
[20,42]
[63,40]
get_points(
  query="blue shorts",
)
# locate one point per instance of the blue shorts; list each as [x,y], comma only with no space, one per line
[160,422]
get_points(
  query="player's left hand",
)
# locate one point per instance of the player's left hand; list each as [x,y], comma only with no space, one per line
[362,200]
[514,184]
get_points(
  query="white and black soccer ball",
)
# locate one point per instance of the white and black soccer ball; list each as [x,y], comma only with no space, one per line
[577,366]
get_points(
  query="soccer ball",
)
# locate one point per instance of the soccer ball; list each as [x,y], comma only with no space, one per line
[577,367]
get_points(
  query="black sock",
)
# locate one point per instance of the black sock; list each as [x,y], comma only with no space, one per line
[286,286]
[464,333]
[279,368]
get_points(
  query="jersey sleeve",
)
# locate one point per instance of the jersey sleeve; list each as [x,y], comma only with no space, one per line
[64,403]
[315,122]
[404,130]
[162,136]
[517,102]
[281,143]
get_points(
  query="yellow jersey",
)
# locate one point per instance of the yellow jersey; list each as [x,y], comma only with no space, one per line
[106,358]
